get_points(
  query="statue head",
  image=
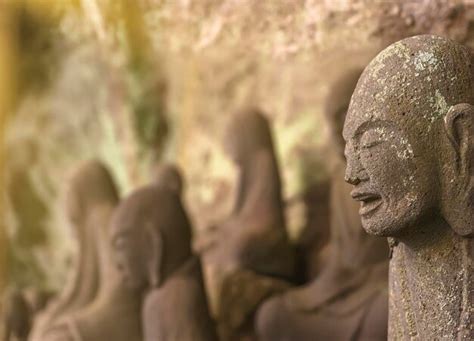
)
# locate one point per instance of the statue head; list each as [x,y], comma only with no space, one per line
[409,138]
[91,185]
[90,198]
[169,176]
[247,133]
[151,236]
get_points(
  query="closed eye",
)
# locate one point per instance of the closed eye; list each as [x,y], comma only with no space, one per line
[372,144]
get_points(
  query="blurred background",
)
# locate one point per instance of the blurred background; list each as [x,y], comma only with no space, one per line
[133,83]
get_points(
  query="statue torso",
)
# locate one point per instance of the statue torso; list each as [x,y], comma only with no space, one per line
[432,295]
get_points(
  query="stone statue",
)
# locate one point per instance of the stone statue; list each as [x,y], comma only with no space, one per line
[151,238]
[167,175]
[253,241]
[17,319]
[21,306]
[115,313]
[89,200]
[37,298]
[348,299]
[410,156]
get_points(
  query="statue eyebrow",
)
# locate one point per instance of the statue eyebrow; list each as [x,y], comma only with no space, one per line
[372,125]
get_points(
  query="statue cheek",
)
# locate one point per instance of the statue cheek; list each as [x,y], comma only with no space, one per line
[387,171]
[126,257]
[376,165]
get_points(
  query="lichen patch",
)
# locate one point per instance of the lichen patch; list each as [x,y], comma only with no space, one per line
[425,60]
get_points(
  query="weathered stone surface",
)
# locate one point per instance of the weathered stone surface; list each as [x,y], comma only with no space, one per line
[348,298]
[151,237]
[410,155]
[90,199]
[115,311]
[100,101]
[242,292]
[253,237]
[356,311]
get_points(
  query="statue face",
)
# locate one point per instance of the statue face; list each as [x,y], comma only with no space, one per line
[393,175]
[130,251]
[407,132]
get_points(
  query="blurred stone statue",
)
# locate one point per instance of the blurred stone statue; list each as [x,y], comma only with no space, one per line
[251,246]
[91,196]
[348,299]
[17,319]
[37,298]
[151,238]
[167,175]
[114,314]
[410,156]
[21,307]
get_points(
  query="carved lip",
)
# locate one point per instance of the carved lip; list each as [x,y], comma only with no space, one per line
[369,201]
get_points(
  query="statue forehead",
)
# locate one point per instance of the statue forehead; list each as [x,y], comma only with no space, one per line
[152,206]
[412,82]
[126,221]
[132,212]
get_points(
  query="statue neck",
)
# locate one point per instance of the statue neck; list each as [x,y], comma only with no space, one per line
[431,285]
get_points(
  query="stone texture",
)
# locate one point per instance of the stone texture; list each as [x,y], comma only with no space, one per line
[353,276]
[151,238]
[193,62]
[90,198]
[410,155]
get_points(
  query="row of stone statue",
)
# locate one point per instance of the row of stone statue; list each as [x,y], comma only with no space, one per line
[137,277]
[409,148]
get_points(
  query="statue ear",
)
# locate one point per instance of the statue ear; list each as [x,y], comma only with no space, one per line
[459,127]
[459,124]
[155,241]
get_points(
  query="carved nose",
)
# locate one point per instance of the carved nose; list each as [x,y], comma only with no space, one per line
[354,172]
[353,180]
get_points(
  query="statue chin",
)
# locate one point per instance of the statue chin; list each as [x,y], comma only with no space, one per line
[400,220]
[381,228]
[388,227]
